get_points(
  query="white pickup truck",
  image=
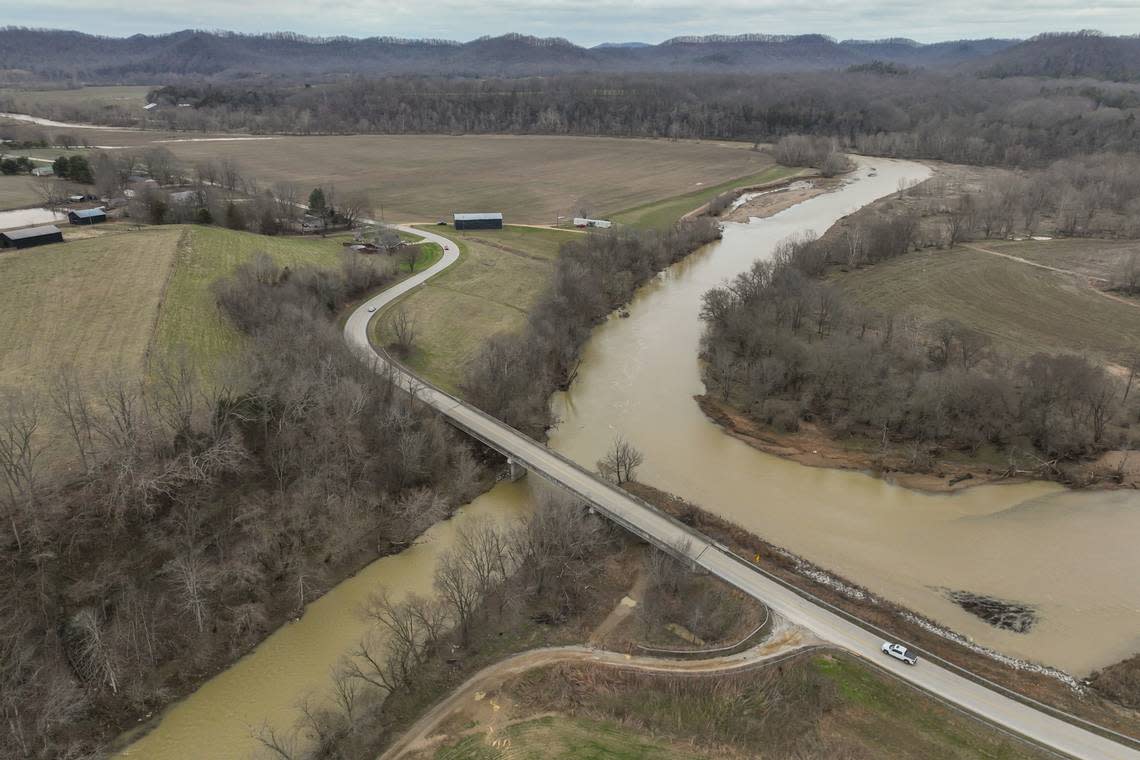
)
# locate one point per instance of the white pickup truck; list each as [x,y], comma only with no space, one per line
[899,652]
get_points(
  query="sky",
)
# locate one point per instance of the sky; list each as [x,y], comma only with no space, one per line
[585,22]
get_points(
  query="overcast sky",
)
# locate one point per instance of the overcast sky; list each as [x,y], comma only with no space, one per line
[586,22]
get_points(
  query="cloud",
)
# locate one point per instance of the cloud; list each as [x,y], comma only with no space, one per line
[588,21]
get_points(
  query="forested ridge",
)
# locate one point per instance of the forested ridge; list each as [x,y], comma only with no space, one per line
[69,56]
[1017,122]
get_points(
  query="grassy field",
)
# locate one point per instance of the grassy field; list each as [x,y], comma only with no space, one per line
[91,303]
[1095,258]
[661,214]
[190,322]
[1023,309]
[17,191]
[116,95]
[862,713]
[487,291]
[893,720]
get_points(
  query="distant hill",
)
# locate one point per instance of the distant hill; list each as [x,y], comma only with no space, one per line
[605,45]
[1082,54]
[69,56]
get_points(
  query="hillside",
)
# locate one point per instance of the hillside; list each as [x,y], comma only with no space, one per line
[1083,54]
[32,54]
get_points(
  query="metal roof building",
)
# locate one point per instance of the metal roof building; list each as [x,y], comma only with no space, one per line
[30,236]
[485,221]
[87,216]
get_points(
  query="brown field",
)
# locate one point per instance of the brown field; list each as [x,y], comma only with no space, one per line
[17,191]
[121,95]
[530,179]
[1090,257]
[91,303]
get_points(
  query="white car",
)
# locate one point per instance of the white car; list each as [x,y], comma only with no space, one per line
[899,652]
[371,309]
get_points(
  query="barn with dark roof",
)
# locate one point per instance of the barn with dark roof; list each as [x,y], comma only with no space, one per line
[30,236]
[87,216]
[485,221]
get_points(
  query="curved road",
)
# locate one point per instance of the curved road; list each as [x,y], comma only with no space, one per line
[647,522]
[781,645]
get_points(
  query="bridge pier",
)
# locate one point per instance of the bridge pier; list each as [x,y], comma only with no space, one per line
[515,471]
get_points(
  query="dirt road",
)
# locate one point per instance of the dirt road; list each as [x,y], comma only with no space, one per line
[784,640]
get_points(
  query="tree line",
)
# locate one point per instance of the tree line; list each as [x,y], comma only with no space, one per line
[788,347]
[494,578]
[154,529]
[920,114]
[514,374]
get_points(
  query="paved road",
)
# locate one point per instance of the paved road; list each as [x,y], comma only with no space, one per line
[656,527]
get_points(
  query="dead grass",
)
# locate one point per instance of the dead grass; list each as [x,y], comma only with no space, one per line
[815,705]
[1022,309]
[531,179]
[91,303]
[1090,257]
[114,95]
[17,191]
[488,291]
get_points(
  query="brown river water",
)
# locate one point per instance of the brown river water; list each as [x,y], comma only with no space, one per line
[1073,555]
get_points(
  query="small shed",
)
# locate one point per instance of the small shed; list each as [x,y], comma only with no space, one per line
[31,236]
[482,221]
[87,216]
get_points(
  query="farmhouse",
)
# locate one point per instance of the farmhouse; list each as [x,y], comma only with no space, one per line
[486,221]
[31,236]
[87,216]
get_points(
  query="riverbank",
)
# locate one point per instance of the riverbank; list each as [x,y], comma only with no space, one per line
[761,203]
[813,446]
[1049,685]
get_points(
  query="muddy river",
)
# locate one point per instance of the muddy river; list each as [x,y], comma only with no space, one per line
[1072,556]
[218,719]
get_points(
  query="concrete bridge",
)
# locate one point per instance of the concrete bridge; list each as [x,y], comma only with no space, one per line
[1021,716]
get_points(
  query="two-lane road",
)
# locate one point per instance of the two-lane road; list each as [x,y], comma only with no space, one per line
[647,522]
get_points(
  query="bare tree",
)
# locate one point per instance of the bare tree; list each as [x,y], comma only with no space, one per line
[621,462]
[459,589]
[959,221]
[1128,274]
[411,254]
[20,453]
[90,650]
[279,744]
[49,190]
[403,330]
[353,206]
[192,580]
[74,407]
[388,238]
